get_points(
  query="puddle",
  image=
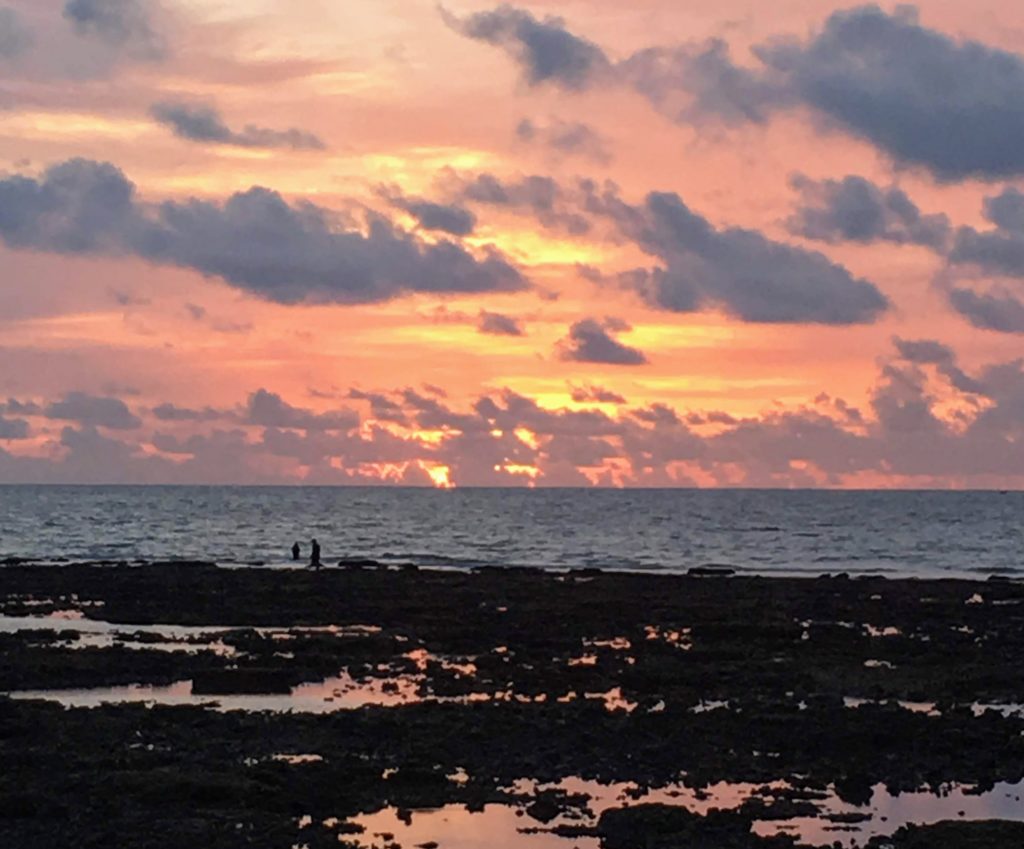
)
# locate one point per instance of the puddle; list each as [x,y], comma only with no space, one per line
[461,666]
[927,708]
[889,813]
[680,638]
[1006,709]
[190,639]
[508,826]
[615,644]
[298,760]
[340,693]
[59,621]
[888,631]
[710,705]
[453,827]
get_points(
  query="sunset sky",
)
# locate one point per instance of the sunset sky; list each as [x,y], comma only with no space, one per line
[552,243]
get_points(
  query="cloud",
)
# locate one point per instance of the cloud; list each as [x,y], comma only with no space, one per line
[173,413]
[590,341]
[597,395]
[565,137]
[446,218]
[255,240]
[20,408]
[691,83]
[268,409]
[125,24]
[929,423]
[200,315]
[93,411]
[382,407]
[952,106]
[998,250]
[923,350]
[544,49]
[78,207]
[932,352]
[15,36]
[999,311]
[741,271]
[496,324]
[750,276]
[200,123]
[538,195]
[13,429]
[856,210]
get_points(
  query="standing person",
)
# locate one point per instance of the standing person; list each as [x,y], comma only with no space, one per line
[314,557]
[296,551]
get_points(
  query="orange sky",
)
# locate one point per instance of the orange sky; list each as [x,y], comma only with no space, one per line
[407,107]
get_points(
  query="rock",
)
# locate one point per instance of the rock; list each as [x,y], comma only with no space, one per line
[710,572]
[229,682]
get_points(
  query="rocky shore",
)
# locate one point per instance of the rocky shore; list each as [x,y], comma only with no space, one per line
[604,709]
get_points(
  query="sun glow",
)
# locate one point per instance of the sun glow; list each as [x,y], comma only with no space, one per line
[441,476]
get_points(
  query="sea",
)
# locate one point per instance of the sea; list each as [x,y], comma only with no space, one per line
[767,532]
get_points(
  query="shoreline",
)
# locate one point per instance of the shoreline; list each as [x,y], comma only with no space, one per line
[706,570]
[829,696]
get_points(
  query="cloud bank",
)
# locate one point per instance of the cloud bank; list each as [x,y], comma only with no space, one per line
[952,106]
[255,240]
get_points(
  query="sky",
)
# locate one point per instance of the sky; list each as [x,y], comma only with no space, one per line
[582,243]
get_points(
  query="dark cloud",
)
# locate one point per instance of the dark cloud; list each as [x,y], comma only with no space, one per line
[544,49]
[496,324]
[13,428]
[590,341]
[923,351]
[382,407]
[125,24]
[692,82]
[268,409]
[994,311]
[1000,249]
[200,123]
[750,276]
[93,411]
[505,438]
[255,240]
[950,105]
[15,407]
[657,414]
[856,210]
[565,137]
[741,271]
[596,394]
[932,352]
[77,207]
[446,218]
[537,195]
[15,36]
[953,106]
[174,413]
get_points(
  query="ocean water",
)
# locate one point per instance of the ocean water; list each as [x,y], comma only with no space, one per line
[927,534]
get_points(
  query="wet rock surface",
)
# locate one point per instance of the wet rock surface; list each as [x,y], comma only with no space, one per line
[613,678]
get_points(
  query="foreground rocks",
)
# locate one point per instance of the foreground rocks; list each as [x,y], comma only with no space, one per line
[522,675]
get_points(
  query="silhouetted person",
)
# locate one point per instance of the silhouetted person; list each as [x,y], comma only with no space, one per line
[314,557]
[296,551]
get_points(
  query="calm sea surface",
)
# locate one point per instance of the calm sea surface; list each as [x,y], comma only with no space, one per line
[970,534]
